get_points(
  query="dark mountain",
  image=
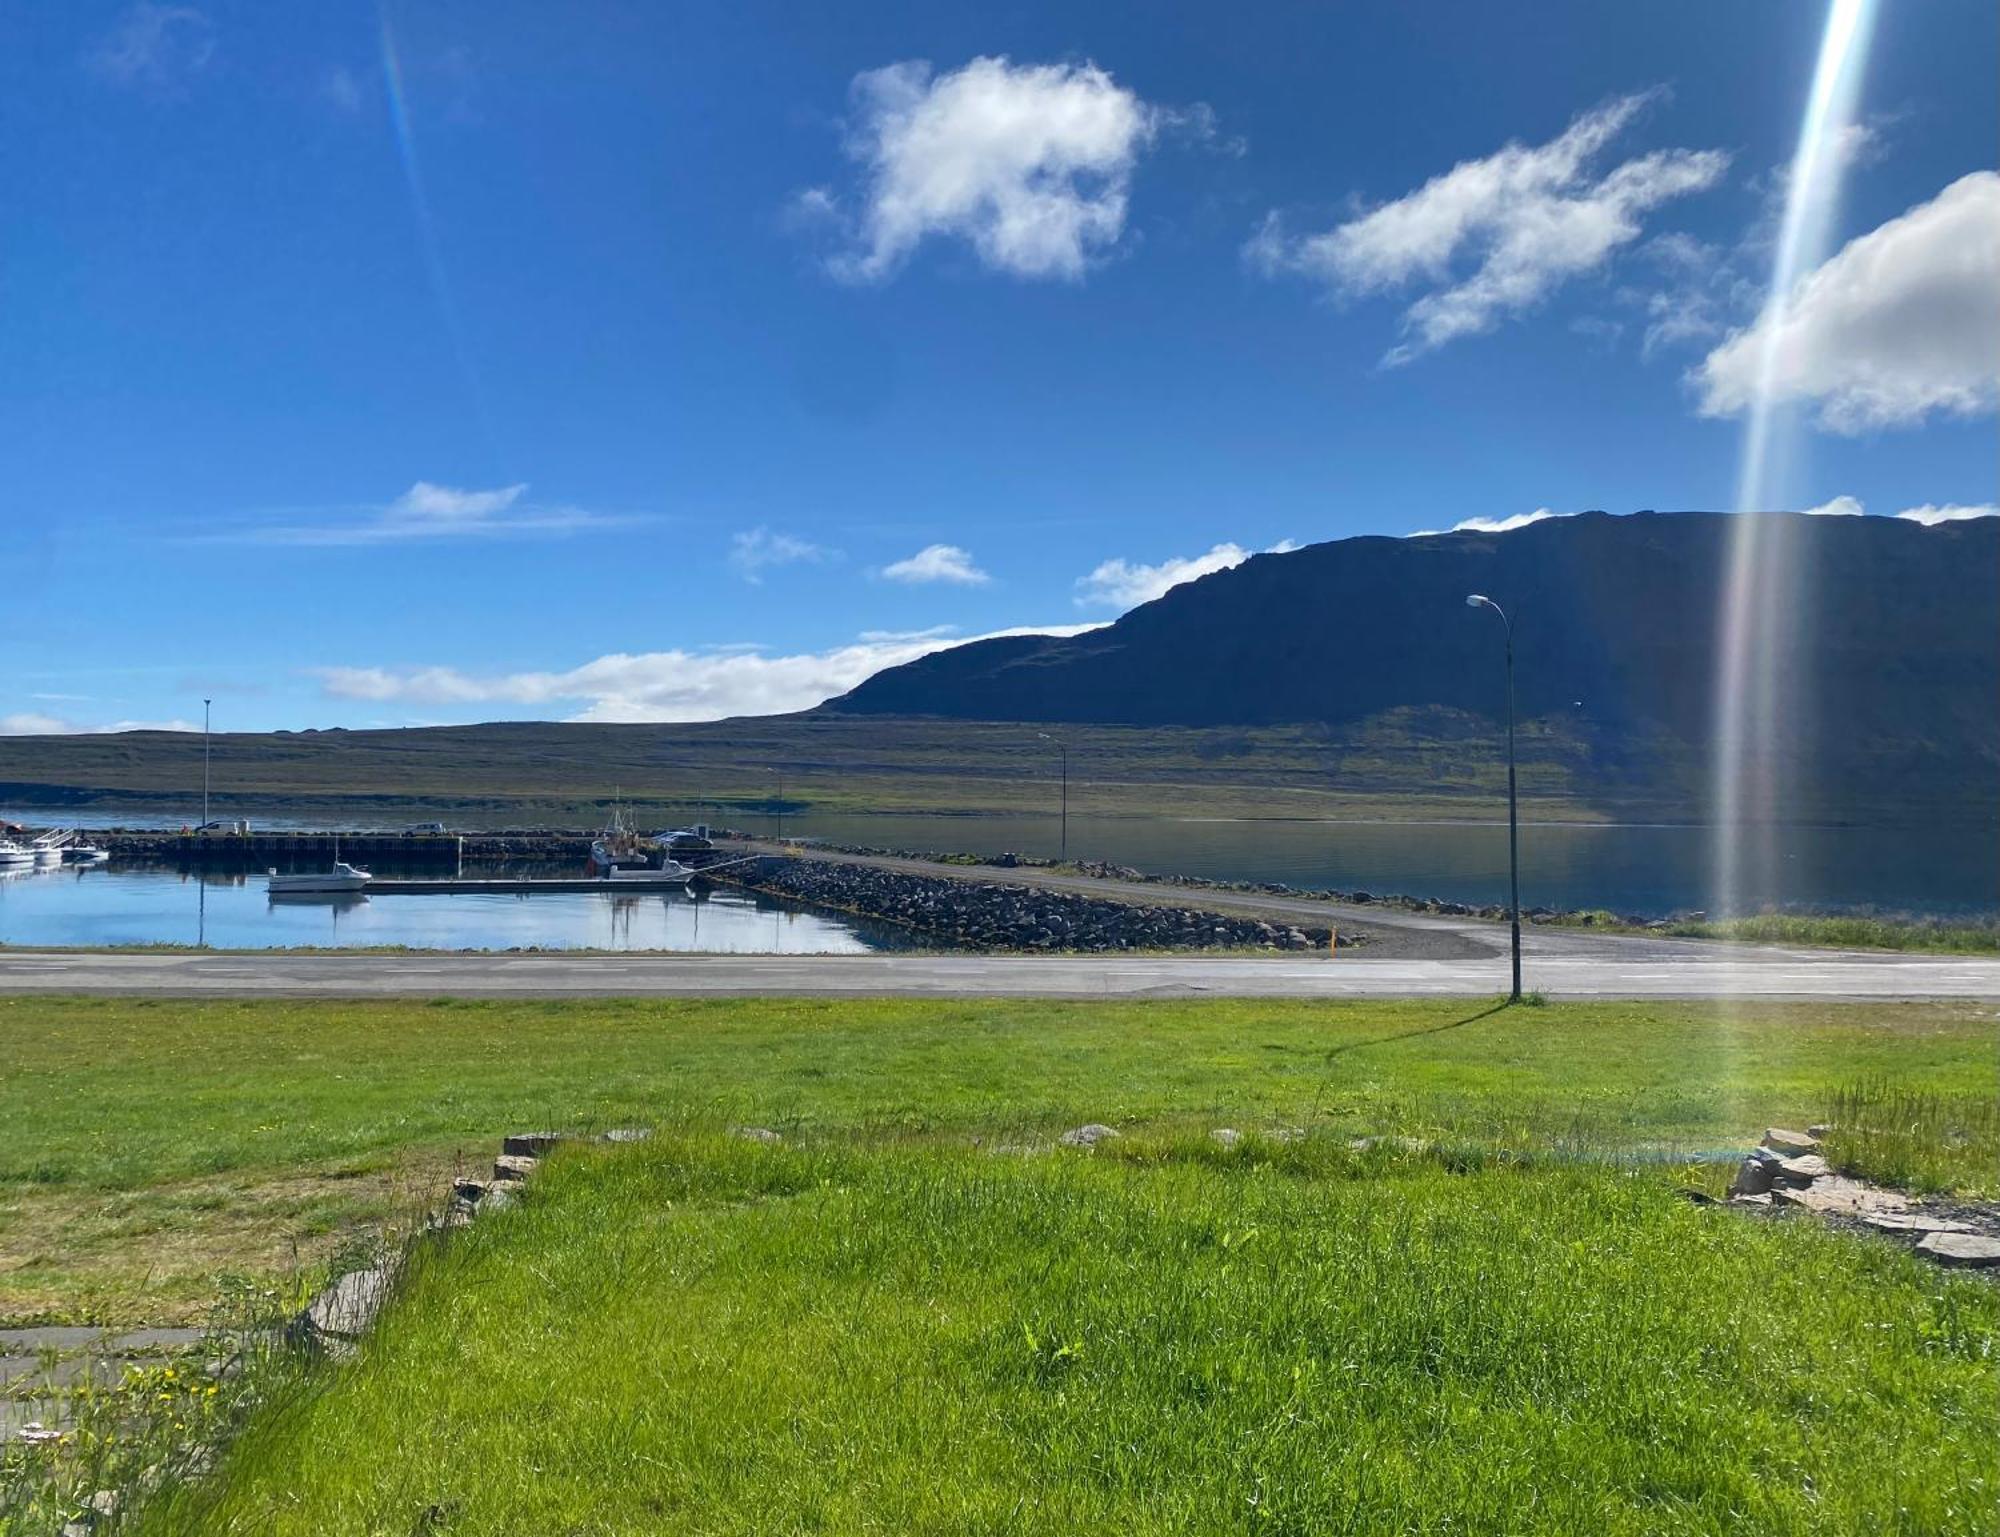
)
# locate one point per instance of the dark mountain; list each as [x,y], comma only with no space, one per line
[1888,664]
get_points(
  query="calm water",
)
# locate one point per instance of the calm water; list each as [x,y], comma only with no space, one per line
[1646,870]
[1953,869]
[102,906]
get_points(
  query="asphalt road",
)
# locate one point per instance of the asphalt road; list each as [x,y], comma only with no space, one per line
[1617,969]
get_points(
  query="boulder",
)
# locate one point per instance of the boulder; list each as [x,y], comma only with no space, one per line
[512,1168]
[1791,1144]
[1088,1136]
[1965,1250]
[1753,1177]
[1802,1170]
[470,1191]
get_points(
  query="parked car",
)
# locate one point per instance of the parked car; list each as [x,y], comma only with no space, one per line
[425,830]
[225,828]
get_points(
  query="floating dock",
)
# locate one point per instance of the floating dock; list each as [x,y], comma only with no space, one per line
[523,885]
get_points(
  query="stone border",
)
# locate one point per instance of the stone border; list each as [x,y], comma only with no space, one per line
[345,1310]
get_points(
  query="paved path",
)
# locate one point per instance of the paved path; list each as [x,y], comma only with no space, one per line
[1618,969]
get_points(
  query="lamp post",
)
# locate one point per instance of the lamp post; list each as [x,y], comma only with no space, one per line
[204,761]
[1480,600]
[1063,749]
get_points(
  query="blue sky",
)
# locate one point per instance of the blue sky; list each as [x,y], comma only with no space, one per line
[461,361]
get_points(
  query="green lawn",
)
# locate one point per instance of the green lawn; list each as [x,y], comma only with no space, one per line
[152,1145]
[704,1335]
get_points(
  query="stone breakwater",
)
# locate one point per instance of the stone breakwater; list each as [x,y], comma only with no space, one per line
[990,916]
[1395,901]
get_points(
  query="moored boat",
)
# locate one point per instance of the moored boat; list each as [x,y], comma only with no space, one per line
[342,877]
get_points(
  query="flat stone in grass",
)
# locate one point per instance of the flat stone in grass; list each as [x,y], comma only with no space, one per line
[627,1134]
[1802,1170]
[1226,1136]
[1790,1144]
[1967,1250]
[1847,1197]
[762,1134]
[512,1168]
[346,1308]
[532,1144]
[1088,1136]
[1913,1222]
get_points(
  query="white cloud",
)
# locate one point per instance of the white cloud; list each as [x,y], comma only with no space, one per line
[756,550]
[1031,164]
[1899,323]
[1494,237]
[425,511]
[1839,507]
[33,723]
[666,685]
[1124,584]
[155,48]
[1505,525]
[937,563]
[1930,516]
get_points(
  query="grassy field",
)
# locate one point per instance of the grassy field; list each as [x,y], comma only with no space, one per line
[1932,936]
[154,1145]
[707,1335]
[916,1315]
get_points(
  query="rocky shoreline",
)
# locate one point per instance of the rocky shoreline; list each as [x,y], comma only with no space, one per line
[992,916]
[1103,870]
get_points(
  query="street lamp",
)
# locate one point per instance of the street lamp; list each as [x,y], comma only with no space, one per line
[1480,600]
[204,760]
[1062,748]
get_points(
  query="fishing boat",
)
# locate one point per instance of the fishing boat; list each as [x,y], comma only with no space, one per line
[668,872]
[15,856]
[343,877]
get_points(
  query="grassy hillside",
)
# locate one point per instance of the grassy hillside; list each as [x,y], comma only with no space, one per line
[1411,763]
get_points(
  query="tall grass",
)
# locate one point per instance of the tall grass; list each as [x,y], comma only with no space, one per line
[1916,1138]
[710,1336]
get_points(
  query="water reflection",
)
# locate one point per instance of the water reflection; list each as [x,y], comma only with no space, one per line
[233,910]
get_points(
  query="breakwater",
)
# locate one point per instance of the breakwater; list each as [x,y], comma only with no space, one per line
[992,916]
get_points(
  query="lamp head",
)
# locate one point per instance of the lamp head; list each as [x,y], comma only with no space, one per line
[1477,600]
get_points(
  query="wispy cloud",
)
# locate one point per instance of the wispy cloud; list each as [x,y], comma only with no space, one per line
[156,49]
[34,723]
[683,685]
[756,550]
[1125,584]
[1029,164]
[1837,507]
[427,511]
[938,563]
[1494,237]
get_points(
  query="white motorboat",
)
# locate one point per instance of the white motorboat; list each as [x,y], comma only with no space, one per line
[84,854]
[15,856]
[668,872]
[342,877]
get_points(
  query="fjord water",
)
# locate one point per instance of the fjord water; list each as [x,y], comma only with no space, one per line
[101,906]
[1649,871]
